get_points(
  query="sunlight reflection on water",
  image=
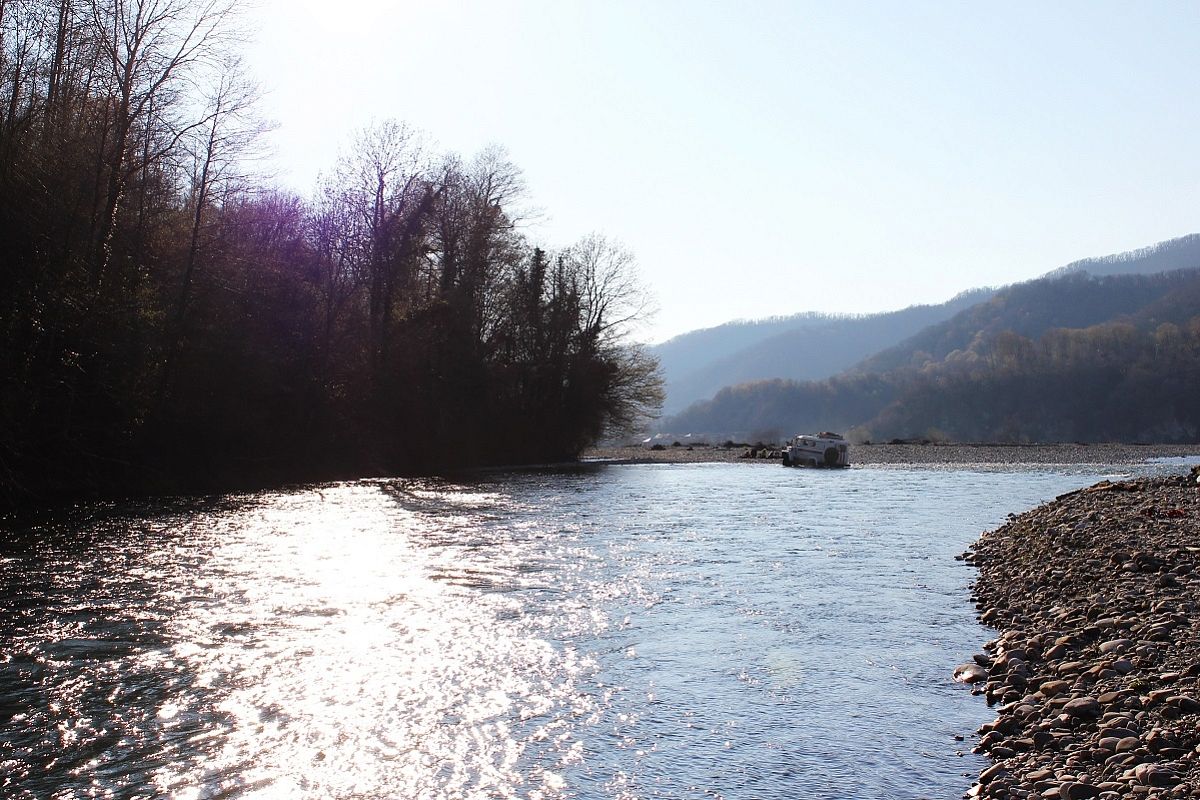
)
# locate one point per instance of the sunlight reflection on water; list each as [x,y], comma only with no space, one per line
[702,631]
[359,658]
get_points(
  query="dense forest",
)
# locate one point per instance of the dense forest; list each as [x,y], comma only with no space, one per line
[171,321]
[1076,358]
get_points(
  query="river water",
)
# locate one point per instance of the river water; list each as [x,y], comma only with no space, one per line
[656,631]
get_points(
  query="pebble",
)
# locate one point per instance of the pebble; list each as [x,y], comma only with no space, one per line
[970,673]
[1083,707]
[1095,671]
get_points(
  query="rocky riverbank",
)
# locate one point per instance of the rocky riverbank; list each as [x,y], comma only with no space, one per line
[1095,675]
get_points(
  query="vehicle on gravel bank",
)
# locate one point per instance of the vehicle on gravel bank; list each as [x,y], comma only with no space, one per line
[816,450]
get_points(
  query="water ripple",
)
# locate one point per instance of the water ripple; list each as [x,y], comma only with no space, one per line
[643,632]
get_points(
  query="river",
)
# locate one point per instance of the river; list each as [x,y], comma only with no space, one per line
[654,631]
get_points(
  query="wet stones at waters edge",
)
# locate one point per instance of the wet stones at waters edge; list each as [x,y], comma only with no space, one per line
[762,452]
[1095,675]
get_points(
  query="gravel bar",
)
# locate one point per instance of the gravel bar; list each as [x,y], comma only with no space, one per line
[1095,673]
[870,454]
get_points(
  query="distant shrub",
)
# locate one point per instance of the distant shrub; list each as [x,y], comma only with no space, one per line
[859,434]
[657,447]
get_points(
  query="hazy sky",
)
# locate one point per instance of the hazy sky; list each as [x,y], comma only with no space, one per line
[766,158]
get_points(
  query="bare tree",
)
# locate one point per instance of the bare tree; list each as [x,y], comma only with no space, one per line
[611,301]
[334,235]
[24,37]
[150,49]
[635,394]
[220,151]
[611,297]
[476,224]
[385,184]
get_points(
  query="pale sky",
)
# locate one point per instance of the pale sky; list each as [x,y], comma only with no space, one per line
[767,158]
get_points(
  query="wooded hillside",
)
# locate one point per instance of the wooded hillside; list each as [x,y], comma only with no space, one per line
[1075,358]
[805,346]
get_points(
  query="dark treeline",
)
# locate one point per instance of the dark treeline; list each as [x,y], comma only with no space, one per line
[169,322]
[1131,378]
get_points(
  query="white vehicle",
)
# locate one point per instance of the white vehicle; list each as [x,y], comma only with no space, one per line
[816,450]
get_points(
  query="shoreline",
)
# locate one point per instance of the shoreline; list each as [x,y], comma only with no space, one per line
[1094,597]
[1095,671]
[879,454]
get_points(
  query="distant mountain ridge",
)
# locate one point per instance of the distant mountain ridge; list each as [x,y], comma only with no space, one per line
[694,349]
[805,346]
[813,346]
[1082,353]
[1166,256]
[1127,370]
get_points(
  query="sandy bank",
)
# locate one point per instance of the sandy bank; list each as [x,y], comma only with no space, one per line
[1095,674]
